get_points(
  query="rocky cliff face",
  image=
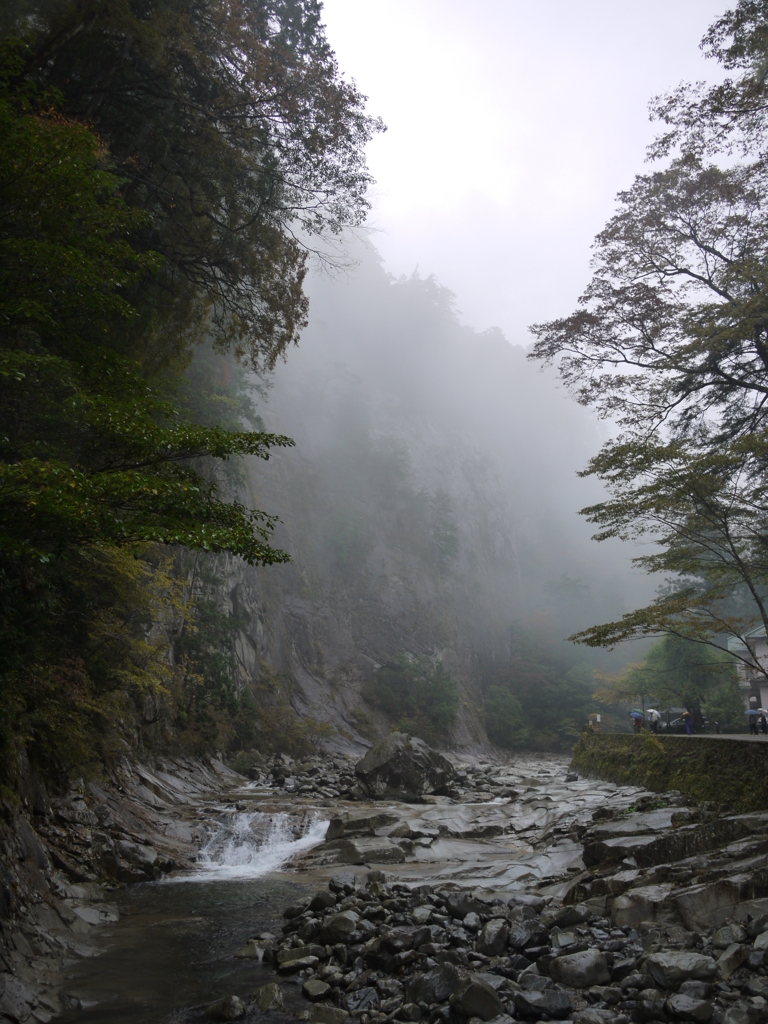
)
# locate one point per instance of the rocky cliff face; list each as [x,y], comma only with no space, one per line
[429,503]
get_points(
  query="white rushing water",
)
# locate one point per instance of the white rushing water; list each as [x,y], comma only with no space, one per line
[248,845]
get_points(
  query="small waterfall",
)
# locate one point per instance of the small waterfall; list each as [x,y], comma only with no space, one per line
[247,845]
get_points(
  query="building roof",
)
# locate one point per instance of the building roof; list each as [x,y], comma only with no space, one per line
[735,643]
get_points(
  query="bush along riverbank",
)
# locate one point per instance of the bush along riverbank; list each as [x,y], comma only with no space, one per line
[728,772]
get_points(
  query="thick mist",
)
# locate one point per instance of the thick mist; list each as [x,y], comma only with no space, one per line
[430,505]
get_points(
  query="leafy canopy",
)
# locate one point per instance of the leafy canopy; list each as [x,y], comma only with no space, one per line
[231,127]
[670,341]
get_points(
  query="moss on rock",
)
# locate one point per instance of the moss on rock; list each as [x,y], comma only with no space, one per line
[730,772]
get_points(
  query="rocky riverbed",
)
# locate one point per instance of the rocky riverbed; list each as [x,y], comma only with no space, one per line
[517,891]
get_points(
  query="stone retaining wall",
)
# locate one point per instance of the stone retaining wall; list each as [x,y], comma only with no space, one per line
[730,772]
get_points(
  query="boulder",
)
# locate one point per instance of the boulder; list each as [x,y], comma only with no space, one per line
[552,1002]
[268,997]
[435,986]
[459,904]
[731,960]
[370,850]
[670,969]
[325,1014]
[476,998]
[581,970]
[228,1008]
[339,927]
[301,963]
[592,1015]
[408,1012]
[650,1006]
[324,899]
[728,934]
[403,767]
[363,999]
[314,989]
[687,1008]
[493,937]
[644,903]
[344,883]
[528,934]
[252,950]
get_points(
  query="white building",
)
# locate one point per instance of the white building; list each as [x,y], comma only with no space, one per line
[752,683]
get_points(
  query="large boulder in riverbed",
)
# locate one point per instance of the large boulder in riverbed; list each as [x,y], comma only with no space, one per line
[403,767]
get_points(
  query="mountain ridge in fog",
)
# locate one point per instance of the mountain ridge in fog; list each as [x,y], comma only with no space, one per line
[429,506]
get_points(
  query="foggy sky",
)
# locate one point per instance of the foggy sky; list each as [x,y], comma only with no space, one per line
[512,125]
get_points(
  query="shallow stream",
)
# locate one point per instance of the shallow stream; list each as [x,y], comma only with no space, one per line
[171,952]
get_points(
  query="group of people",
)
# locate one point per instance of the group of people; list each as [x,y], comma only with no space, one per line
[758,724]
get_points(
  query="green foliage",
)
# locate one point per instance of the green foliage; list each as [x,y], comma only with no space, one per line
[231,128]
[534,696]
[669,340]
[419,697]
[505,721]
[700,768]
[679,673]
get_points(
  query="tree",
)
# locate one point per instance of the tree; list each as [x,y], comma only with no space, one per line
[230,126]
[683,674]
[670,340]
[97,462]
[91,452]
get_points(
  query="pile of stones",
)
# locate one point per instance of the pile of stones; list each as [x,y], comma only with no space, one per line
[325,775]
[388,951]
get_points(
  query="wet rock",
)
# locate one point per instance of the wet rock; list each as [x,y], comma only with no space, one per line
[672,968]
[339,927]
[436,986]
[686,1007]
[476,998]
[314,989]
[422,915]
[268,997]
[742,1013]
[644,903]
[528,934]
[593,1015]
[552,1002]
[370,850]
[731,960]
[300,952]
[322,900]
[408,1012]
[343,882]
[703,906]
[228,1008]
[728,934]
[299,964]
[252,950]
[649,1006]
[403,767]
[325,1014]
[493,938]
[365,998]
[15,998]
[459,904]
[581,970]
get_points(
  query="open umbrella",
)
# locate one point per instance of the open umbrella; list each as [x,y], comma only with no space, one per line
[636,714]
[686,714]
[753,711]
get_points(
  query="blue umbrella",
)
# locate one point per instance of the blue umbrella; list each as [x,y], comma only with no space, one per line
[753,712]
[635,714]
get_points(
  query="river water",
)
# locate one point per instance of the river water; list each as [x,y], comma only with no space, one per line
[171,952]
